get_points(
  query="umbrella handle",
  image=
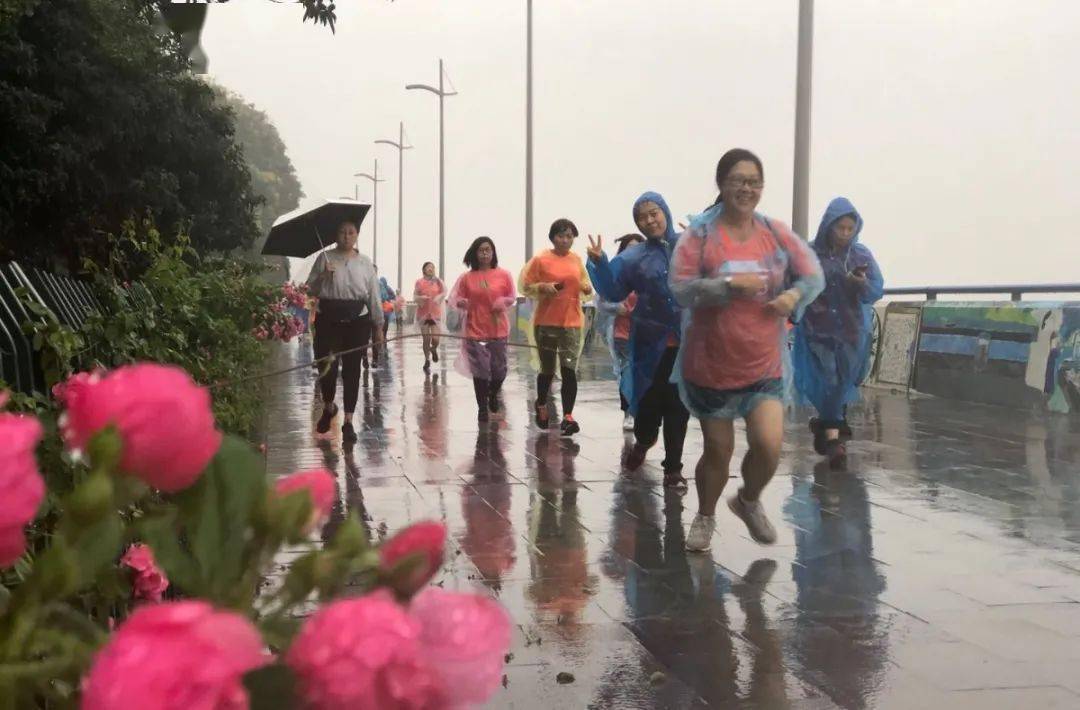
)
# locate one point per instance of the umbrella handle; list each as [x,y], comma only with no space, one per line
[319,236]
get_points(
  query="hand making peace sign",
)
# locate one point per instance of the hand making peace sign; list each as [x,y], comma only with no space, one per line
[596,248]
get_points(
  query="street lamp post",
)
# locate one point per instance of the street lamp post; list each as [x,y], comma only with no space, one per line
[401,148]
[528,133]
[800,193]
[375,180]
[442,93]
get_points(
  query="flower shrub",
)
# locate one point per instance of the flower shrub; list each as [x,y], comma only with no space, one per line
[280,320]
[87,622]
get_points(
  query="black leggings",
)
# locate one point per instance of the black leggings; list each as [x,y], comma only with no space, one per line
[568,392]
[334,337]
[661,403]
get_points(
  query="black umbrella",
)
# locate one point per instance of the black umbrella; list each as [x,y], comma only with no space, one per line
[302,234]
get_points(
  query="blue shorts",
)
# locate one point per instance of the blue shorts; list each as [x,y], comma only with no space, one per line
[709,403]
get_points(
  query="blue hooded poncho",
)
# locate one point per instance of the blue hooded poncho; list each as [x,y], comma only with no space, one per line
[832,342]
[642,269]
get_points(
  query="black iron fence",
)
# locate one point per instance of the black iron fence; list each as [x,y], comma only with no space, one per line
[70,299]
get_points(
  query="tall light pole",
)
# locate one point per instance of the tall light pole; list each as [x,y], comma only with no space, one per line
[401,148]
[442,93]
[800,194]
[375,180]
[528,133]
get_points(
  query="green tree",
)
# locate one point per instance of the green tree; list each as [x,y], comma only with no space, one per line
[102,120]
[273,177]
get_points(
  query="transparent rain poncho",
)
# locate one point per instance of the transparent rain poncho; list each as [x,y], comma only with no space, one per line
[483,300]
[429,295]
[832,342]
[735,345]
[656,319]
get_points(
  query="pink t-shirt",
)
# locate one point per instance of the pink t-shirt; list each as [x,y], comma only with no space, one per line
[429,308]
[622,323]
[736,344]
[489,294]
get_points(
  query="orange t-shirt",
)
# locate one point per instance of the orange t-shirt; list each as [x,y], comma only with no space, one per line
[564,308]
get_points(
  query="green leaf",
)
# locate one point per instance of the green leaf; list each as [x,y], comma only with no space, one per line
[97,547]
[271,688]
[161,531]
[217,513]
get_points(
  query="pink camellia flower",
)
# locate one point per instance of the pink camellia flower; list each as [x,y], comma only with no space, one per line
[319,484]
[150,581]
[363,654]
[464,638]
[175,655]
[71,387]
[163,417]
[427,540]
[21,486]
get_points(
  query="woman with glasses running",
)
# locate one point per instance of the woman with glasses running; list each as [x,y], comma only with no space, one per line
[740,276]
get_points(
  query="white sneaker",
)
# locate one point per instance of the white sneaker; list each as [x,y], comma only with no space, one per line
[753,514]
[701,531]
[628,422]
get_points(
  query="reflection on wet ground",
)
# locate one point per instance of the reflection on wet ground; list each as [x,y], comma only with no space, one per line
[942,569]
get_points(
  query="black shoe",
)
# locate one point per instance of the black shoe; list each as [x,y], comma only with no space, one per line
[482,415]
[427,366]
[569,427]
[348,434]
[673,478]
[493,403]
[365,362]
[542,420]
[434,355]
[324,421]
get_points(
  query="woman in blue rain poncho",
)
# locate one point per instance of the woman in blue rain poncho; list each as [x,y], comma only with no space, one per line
[740,277]
[655,325]
[832,342]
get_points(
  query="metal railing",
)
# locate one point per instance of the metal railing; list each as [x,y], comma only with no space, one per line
[1015,291]
[69,299]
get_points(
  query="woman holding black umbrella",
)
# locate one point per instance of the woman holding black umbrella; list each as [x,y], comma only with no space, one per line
[350,314]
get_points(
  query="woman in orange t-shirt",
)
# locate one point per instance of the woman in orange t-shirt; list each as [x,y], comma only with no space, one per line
[483,295]
[557,281]
[429,293]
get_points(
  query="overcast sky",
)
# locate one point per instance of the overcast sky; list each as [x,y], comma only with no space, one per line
[953,125]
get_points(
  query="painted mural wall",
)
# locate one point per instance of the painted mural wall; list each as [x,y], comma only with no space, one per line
[1019,354]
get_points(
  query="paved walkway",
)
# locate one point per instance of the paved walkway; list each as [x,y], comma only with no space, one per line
[942,570]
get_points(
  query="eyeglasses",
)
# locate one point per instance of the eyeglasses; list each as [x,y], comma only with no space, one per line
[752,183]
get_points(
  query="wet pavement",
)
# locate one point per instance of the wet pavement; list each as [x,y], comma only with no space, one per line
[942,569]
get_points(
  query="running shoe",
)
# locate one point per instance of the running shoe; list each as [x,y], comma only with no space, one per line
[699,539]
[427,365]
[753,514]
[324,421]
[493,403]
[569,427]
[819,436]
[434,355]
[673,478]
[348,433]
[628,422]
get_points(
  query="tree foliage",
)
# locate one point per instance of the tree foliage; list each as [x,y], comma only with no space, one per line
[273,178]
[102,121]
